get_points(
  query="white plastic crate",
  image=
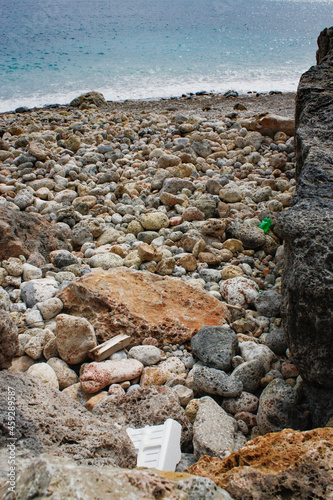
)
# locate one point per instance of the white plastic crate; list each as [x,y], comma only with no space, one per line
[157,446]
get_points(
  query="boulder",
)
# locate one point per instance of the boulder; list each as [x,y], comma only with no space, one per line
[142,304]
[54,477]
[213,430]
[49,421]
[75,337]
[307,229]
[23,233]
[146,406]
[8,340]
[88,99]
[286,464]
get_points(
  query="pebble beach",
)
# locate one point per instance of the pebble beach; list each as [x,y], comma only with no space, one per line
[157,195]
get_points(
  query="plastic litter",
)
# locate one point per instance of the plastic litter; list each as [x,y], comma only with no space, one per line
[265,224]
[157,446]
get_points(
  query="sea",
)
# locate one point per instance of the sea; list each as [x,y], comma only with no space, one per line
[53,50]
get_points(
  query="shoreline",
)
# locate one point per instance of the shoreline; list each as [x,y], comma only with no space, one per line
[255,102]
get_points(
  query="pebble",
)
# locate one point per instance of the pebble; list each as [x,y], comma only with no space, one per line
[186,207]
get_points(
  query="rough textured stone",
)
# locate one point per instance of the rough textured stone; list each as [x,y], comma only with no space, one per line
[245,402]
[8,340]
[65,375]
[268,303]
[75,337]
[96,376]
[239,291]
[146,406]
[147,354]
[204,380]
[23,233]
[44,373]
[307,229]
[142,305]
[249,374]
[275,406]
[89,98]
[215,346]
[287,464]
[213,430]
[51,422]
[54,477]
[38,290]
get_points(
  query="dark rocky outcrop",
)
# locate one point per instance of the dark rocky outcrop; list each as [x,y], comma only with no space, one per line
[47,421]
[307,229]
[23,233]
[8,340]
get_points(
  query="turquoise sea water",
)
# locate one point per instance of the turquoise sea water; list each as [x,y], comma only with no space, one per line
[51,51]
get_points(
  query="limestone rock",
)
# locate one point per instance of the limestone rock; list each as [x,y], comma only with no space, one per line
[49,421]
[65,375]
[146,406]
[239,291]
[89,98]
[44,373]
[55,477]
[96,376]
[276,465]
[8,340]
[141,304]
[249,374]
[22,233]
[75,337]
[146,354]
[38,290]
[213,430]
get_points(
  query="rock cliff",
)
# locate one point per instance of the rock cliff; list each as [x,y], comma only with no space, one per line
[307,229]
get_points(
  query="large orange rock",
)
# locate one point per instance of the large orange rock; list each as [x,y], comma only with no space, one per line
[142,304]
[286,464]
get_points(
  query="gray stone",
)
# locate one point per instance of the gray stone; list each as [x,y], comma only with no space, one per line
[276,341]
[4,299]
[63,258]
[215,346]
[65,375]
[275,405]
[249,374]
[245,402]
[252,237]
[213,430]
[204,380]
[268,303]
[251,350]
[38,290]
[146,354]
[106,260]
[24,198]
[49,421]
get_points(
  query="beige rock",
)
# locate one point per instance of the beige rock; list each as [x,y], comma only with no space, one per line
[166,266]
[75,392]
[75,337]
[142,304]
[106,260]
[231,272]
[188,261]
[154,221]
[50,307]
[149,253]
[96,376]
[65,375]
[21,363]
[110,235]
[95,399]
[192,409]
[233,245]
[44,373]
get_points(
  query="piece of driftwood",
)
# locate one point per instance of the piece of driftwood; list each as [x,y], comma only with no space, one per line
[109,347]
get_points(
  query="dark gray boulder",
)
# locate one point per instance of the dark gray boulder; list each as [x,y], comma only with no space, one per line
[215,346]
[307,229]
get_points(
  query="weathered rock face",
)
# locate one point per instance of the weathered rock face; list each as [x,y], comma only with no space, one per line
[88,99]
[147,406]
[24,233]
[53,477]
[142,304]
[287,464]
[50,422]
[307,229]
[8,340]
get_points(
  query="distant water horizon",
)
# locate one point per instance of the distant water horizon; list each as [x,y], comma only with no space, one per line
[53,51]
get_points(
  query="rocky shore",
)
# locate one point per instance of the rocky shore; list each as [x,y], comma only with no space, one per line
[156,220]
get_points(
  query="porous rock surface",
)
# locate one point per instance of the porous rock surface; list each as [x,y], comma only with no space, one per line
[307,229]
[286,464]
[8,340]
[141,304]
[50,422]
[24,233]
[53,477]
[147,406]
